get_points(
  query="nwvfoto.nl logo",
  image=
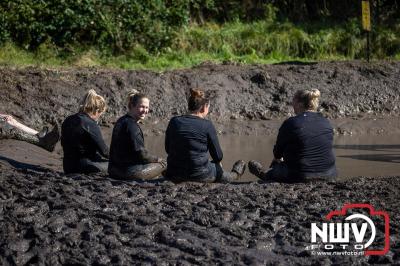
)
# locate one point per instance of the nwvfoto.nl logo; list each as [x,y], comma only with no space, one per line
[355,232]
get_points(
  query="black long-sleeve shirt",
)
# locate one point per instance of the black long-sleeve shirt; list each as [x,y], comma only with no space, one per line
[81,138]
[188,141]
[127,144]
[305,142]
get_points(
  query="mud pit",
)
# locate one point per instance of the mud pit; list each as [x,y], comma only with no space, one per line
[49,218]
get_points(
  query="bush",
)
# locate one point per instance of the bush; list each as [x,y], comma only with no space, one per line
[118,25]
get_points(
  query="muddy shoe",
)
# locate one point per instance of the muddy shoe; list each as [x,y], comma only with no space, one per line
[50,139]
[43,132]
[237,171]
[256,169]
[239,167]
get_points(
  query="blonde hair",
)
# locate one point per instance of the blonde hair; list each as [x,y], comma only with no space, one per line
[309,98]
[92,103]
[134,97]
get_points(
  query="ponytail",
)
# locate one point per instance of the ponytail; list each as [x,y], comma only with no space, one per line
[92,103]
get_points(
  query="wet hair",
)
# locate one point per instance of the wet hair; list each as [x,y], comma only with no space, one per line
[197,100]
[309,98]
[134,97]
[92,103]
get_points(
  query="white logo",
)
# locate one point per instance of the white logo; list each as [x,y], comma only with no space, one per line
[340,232]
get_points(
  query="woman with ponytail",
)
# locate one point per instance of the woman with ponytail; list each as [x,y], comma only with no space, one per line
[129,159]
[190,139]
[304,146]
[81,138]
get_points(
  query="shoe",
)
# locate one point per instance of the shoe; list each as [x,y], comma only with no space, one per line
[256,169]
[50,139]
[239,167]
[43,132]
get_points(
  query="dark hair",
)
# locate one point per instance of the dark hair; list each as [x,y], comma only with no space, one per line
[134,97]
[197,100]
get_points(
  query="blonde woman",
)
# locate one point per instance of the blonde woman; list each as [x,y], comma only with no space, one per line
[303,149]
[10,128]
[129,159]
[81,138]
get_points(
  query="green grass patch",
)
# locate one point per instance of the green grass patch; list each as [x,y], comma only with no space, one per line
[260,42]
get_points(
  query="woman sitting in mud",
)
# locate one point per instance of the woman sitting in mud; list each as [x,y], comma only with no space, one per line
[128,157]
[81,138]
[10,128]
[190,139]
[303,150]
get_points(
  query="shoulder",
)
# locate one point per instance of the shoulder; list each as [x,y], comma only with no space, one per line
[323,119]
[72,119]
[130,123]
[291,121]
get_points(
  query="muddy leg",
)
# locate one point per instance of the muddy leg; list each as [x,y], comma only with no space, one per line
[278,171]
[145,172]
[8,131]
[47,142]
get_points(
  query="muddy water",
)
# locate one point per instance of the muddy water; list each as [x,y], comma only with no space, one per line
[355,155]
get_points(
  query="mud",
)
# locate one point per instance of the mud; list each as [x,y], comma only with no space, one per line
[47,218]
[240,94]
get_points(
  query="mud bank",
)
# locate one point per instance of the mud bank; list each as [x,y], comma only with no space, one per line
[240,94]
[52,219]
[48,218]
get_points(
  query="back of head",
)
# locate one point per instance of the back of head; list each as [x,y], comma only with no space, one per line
[309,98]
[92,103]
[134,97]
[197,99]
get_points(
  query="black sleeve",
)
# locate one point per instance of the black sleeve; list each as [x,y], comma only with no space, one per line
[137,141]
[213,144]
[96,136]
[167,135]
[135,137]
[282,140]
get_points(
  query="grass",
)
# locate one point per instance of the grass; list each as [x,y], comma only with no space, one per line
[260,42]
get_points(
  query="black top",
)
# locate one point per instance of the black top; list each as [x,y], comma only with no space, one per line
[81,138]
[188,140]
[127,143]
[305,142]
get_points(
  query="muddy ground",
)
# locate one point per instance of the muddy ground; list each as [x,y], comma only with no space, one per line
[49,218]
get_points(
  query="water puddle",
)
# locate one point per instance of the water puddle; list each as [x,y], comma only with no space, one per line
[355,155]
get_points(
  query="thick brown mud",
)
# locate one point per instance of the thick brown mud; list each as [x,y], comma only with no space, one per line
[47,218]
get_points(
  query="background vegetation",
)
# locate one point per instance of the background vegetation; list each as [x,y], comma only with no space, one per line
[179,33]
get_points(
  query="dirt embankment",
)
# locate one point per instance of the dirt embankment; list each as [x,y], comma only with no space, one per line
[241,94]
